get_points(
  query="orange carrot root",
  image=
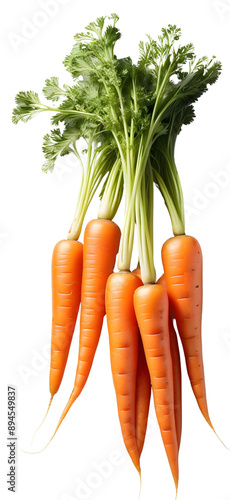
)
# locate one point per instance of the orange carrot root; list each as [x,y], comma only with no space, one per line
[67,261]
[151,307]
[182,261]
[123,340]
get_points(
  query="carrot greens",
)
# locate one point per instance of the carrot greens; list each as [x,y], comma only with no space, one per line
[129,116]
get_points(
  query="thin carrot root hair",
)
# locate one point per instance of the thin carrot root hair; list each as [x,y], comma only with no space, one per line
[47,411]
[222,442]
[218,437]
[140,485]
[64,413]
[40,451]
[176,492]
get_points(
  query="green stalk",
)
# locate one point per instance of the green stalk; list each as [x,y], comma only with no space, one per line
[83,199]
[145,145]
[114,115]
[128,166]
[160,92]
[144,221]
[177,219]
[126,245]
[74,111]
[167,179]
[127,236]
[112,194]
[149,200]
[98,162]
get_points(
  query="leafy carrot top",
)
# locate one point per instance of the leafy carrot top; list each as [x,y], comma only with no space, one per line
[129,115]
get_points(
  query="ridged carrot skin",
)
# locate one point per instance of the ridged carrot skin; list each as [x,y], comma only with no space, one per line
[67,262]
[152,309]
[143,390]
[143,395]
[123,340]
[182,262]
[161,281]
[176,362]
[101,243]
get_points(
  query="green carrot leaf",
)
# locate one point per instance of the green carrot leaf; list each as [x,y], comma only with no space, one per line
[57,144]
[52,90]
[28,105]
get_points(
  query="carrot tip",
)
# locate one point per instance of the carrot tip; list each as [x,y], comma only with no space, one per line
[140,484]
[220,439]
[176,485]
[210,424]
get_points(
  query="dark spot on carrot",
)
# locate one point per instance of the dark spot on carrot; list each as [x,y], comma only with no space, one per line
[197,286]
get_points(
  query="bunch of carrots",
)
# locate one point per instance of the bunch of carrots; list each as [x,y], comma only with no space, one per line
[129,116]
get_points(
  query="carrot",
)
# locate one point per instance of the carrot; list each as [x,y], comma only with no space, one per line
[161,281]
[123,339]
[67,262]
[151,307]
[137,272]
[142,406]
[143,394]
[182,261]
[143,390]
[176,363]
[101,242]
[175,353]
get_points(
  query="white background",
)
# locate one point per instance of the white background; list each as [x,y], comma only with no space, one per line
[36,211]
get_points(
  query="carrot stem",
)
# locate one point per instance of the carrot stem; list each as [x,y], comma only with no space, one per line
[112,194]
[144,221]
[99,161]
[166,175]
